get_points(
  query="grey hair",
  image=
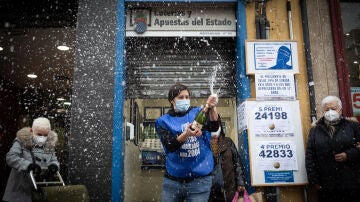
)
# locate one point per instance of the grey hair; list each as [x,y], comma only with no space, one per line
[329,99]
[41,123]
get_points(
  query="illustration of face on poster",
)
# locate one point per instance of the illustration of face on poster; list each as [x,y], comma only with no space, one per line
[263,57]
[283,59]
[273,56]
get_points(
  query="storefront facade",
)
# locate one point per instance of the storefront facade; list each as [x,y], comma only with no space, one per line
[132,51]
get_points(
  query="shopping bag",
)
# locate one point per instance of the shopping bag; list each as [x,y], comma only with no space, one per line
[236,197]
[47,191]
[37,195]
[245,198]
[66,193]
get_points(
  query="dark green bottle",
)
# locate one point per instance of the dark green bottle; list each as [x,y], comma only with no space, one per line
[200,119]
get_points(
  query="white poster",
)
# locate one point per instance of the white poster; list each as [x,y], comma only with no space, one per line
[272,119]
[275,86]
[280,155]
[276,144]
[271,56]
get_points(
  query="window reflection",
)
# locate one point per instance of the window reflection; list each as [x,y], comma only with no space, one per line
[350,14]
[30,32]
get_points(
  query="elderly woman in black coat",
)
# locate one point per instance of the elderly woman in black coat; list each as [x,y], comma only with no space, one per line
[332,156]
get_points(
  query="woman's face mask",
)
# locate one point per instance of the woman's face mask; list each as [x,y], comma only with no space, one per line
[216,134]
[182,105]
[332,115]
[39,140]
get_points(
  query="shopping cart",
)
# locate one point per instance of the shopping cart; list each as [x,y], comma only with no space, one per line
[59,180]
[52,188]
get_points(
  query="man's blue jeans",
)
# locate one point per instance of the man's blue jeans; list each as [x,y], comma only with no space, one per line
[197,190]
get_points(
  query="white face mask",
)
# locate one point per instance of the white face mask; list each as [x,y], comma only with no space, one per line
[216,134]
[332,115]
[39,140]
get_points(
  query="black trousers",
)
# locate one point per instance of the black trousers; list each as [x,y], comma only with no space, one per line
[339,195]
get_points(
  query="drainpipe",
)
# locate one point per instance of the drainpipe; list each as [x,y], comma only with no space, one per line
[305,26]
[308,60]
[288,8]
[257,20]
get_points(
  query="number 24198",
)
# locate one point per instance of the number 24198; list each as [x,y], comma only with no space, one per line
[270,115]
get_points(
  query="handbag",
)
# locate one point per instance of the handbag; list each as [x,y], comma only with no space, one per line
[236,197]
[38,195]
[245,198]
[61,193]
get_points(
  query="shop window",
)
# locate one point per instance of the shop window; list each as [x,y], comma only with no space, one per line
[350,16]
[37,45]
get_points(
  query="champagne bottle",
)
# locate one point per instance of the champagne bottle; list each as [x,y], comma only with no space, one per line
[200,119]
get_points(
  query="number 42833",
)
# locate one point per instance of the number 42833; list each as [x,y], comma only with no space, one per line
[276,153]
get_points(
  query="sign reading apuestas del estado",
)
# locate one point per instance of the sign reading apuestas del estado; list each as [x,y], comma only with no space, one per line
[193,20]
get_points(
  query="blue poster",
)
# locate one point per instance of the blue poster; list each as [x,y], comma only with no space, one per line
[279,176]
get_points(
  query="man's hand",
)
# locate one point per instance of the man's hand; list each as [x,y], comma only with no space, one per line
[342,157]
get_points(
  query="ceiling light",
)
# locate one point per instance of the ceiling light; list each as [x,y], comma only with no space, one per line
[67,103]
[1,48]
[355,62]
[63,48]
[347,34]
[32,76]
[60,99]
[61,110]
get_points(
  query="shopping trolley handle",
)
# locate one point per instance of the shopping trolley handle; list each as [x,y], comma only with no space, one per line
[60,180]
[33,179]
